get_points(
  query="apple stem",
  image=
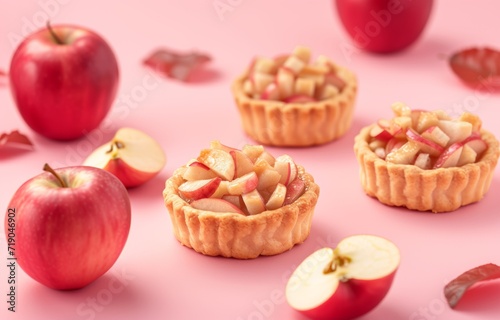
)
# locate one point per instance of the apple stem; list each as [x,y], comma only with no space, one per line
[53,34]
[47,168]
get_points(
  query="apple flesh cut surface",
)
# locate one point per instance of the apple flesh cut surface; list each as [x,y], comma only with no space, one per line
[132,156]
[345,282]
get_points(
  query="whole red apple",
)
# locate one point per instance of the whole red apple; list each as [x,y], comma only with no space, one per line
[384,26]
[64,80]
[68,225]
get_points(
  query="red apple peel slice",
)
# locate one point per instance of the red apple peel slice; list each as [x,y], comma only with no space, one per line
[456,288]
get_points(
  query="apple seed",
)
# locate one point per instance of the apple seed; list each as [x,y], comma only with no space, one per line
[337,261]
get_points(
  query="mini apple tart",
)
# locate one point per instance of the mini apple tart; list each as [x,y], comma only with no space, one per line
[294,101]
[240,203]
[426,160]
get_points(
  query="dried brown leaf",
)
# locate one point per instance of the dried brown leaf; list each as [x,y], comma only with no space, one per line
[15,139]
[176,65]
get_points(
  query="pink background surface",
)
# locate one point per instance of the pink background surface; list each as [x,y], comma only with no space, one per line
[164,280]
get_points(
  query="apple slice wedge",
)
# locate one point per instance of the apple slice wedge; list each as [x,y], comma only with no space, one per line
[132,156]
[423,161]
[253,202]
[476,143]
[450,157]
[271,92]
[285,80]
[287,168]
[198,171]
[380,133]
[253,151]
[294,190]
[216,205]
[242,163]
[456,130]
[345,282]
[193,190]
[467,156]
[244,184]
[425,145]
[435,134]
[266,156]
[219,161]
[406,154]
[277,198]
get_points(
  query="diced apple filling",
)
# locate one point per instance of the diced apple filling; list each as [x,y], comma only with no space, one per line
[427,139]
[247,181]
[293,78]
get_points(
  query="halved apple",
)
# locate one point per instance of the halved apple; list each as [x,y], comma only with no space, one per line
[132,156]
[345,282]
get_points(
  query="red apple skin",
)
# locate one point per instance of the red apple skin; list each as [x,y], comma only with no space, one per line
[383,26]
[129,176]
[352,299]
[64,91]
[65,238]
